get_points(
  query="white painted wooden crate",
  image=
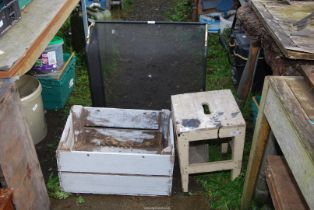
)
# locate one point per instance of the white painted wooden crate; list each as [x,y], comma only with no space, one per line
[116,151]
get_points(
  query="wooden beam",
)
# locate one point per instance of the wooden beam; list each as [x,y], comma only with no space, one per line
[18,158]
[260,138]
[26,40]
[283,189]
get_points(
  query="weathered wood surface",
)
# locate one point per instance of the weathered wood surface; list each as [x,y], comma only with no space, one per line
[189,116]
[256,31]
[294,110]
[284,192]
[308,73]
[258,147]
[293,130]
[279,18]
[116,184]
[304,93]
[24,42]
[294,134]
[18,158]
[122,118]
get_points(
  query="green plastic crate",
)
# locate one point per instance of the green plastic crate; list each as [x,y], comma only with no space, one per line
[55,92]
[23,3]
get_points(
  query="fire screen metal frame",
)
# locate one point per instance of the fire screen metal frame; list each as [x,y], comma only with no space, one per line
[96,77]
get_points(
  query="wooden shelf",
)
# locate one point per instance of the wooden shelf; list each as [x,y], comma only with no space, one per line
[22,44]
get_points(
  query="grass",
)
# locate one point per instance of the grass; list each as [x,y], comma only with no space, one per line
[54,189]
[181,11]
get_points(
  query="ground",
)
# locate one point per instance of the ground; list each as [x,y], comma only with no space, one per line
[213,191]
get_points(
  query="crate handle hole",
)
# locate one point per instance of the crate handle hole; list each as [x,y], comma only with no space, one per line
[205,108]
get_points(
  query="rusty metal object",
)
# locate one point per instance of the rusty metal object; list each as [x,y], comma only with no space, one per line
[6,196]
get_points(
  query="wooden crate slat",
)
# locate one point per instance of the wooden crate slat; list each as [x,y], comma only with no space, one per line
[115,184]
[114,163]
[122,118]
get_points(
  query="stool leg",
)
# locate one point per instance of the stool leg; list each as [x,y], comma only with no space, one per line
[237,153]
[224,148]
[183,150]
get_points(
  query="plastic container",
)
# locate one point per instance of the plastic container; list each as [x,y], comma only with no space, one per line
[52,57]
[9,14]
[24,3]
[102,3]
[56,92]
[212,20]
[32,106]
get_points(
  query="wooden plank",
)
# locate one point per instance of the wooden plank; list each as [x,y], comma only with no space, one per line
[259,141]
[210,167]
[305,96]
[39,23]
[115,163]
[78,122]
[290,141]
[18,158]
[115,184]
[295,113]
[308,73]
[67,137]
[280,181]
[122,118]
[278,18]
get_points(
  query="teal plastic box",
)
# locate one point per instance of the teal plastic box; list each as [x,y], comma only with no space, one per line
[23,3]
[55,92]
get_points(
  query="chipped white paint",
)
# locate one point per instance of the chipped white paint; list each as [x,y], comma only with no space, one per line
[115,170]
[224,111]
[122,118]
[193,124]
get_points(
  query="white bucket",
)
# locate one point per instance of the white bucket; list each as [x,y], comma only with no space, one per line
[32,106]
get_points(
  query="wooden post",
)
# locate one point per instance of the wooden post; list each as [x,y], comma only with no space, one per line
[18,158]
[248,74]
[260,138]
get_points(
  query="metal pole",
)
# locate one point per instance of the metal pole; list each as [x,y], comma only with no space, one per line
[85,18]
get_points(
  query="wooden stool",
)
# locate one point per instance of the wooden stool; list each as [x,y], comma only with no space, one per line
[205,116]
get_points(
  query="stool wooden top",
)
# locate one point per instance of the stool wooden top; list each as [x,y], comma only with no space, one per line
[189,115]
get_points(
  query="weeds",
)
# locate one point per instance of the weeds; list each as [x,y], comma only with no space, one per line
[54,189]
[80,200]
[181,11]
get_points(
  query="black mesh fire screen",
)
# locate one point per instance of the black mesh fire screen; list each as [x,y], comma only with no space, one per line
[141,64]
